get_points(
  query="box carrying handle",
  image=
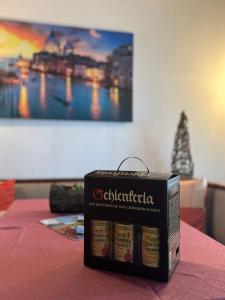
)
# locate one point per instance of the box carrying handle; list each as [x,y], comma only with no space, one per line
[135,157]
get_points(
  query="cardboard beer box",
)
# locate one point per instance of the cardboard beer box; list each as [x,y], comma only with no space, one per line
[132,222]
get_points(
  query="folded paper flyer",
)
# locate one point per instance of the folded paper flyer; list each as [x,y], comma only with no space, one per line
[71,226]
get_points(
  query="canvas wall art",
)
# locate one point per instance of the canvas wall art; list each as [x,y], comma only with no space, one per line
[61,72]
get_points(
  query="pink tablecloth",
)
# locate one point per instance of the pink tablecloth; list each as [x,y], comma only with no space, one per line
[37,263]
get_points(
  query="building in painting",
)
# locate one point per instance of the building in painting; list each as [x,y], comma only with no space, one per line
[8,71]
[8,65]
[58,59]
[80,71]
[52,44]
[68,48]
[23,65]
[120,67]
[95,74]
[44,61]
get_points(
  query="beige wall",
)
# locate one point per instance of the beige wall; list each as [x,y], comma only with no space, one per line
[179,63]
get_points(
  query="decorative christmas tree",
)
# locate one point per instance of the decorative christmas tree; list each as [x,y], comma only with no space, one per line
[181,158]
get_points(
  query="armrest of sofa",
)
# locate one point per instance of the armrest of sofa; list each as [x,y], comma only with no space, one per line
[215,212]
[192,202]
[39,189]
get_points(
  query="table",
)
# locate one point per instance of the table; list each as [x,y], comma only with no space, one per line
[37,263]
[2,213]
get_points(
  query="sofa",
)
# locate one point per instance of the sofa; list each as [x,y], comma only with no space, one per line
[214,201]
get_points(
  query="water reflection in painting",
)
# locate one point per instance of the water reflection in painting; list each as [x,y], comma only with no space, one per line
[43,91]
[23,102]
[65,73]
[69,96]
[95,107]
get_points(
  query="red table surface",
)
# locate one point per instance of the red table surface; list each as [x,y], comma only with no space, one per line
[38,263]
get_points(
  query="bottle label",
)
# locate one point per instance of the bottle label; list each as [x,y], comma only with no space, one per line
[123,242]
[100,238]
[150,246]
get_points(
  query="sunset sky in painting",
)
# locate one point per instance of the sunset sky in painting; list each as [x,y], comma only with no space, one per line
[27,38]
[18,38]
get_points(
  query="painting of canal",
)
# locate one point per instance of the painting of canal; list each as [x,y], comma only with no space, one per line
[60,72]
